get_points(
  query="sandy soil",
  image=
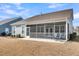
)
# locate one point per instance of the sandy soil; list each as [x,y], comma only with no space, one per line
[15,47]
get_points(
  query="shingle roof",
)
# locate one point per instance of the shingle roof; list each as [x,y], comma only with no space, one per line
[67,12]
[8,20]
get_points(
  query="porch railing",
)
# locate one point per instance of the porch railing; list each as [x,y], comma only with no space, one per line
[48,35]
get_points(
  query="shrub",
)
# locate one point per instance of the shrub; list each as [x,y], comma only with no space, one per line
[73,36]
[19,36]
[9,34]
[12,35]
[3,34]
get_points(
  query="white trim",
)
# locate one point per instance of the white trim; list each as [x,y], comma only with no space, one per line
[66,30]
[59,31]
[44,30]
[21,30]
[36,30]
[25,31]
[15,30]
[54,30]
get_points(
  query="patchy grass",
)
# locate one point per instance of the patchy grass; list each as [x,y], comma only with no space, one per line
[15,47]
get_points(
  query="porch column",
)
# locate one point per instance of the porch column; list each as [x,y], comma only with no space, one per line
[66,31]
[25,30]
[54,30]
[14,30]
[44,31]
[59,32]
[21,30]
[36,30]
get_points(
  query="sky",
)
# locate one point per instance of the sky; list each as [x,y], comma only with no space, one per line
[25,10]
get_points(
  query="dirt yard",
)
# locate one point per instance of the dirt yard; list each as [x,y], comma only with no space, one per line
[15,47]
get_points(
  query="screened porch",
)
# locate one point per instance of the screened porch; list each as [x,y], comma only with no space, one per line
[48,31]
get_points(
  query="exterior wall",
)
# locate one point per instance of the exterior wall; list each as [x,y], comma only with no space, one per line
[19,30]
[3,28]
[77,31]
[70,25]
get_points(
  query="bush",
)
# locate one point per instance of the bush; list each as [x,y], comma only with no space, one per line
[9,34]
[19,36]
[73,36]
[3,34]
[12,35]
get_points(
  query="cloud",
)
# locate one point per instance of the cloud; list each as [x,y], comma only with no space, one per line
[10,11]
[4,17]
[7,6]
[15,9]
[4,6]
[7,9]
[54,5]
[18,5]
[16,13]
[25,11]
[76,15]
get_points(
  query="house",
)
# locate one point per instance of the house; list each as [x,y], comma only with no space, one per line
[5,26]
[55,25]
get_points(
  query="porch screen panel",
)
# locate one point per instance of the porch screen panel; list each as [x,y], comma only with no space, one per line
[40,31]
[62,31]
[33,31]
